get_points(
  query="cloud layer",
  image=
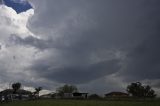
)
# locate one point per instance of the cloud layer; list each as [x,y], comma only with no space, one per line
[85,42]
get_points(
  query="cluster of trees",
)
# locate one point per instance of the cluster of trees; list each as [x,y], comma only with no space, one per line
[73,89]
[17,86]
[134,89]
[66,89]
[139,90]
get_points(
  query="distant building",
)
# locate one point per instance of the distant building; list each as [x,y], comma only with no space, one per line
[78,95]
[116,94]
[75,95]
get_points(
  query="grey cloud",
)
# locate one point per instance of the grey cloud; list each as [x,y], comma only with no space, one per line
[103,85]
[103,24]
[144,60]
[80,40]
[111,25]
[30,41]
[78,74]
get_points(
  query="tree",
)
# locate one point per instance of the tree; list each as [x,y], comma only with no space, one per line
[16,87]
[148,92]
[66,89]
[37,90]
[138,90]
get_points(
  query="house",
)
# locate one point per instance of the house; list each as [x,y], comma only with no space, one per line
[78,95]
[75,95]
[117,94]
[21,94]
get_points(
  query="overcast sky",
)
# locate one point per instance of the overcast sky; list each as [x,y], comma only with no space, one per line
[97,45]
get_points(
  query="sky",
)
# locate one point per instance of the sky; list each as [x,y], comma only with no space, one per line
[18,5]
[97,45]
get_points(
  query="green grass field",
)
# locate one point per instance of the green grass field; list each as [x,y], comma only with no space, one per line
[81,103]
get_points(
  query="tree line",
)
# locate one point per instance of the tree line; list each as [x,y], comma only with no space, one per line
[139,90]
[136,89]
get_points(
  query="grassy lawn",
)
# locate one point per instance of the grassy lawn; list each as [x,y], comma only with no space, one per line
[81,103]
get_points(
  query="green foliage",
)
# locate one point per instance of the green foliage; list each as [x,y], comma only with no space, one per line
[66,89]
[16,86]
[138,90]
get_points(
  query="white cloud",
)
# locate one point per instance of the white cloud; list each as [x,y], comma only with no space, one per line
[11,22]
[14,59]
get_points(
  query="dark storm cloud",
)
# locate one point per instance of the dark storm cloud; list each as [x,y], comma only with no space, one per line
[76,75]
[144,60]
[90,33]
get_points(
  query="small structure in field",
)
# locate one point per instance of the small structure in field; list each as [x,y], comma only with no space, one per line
[117,94]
